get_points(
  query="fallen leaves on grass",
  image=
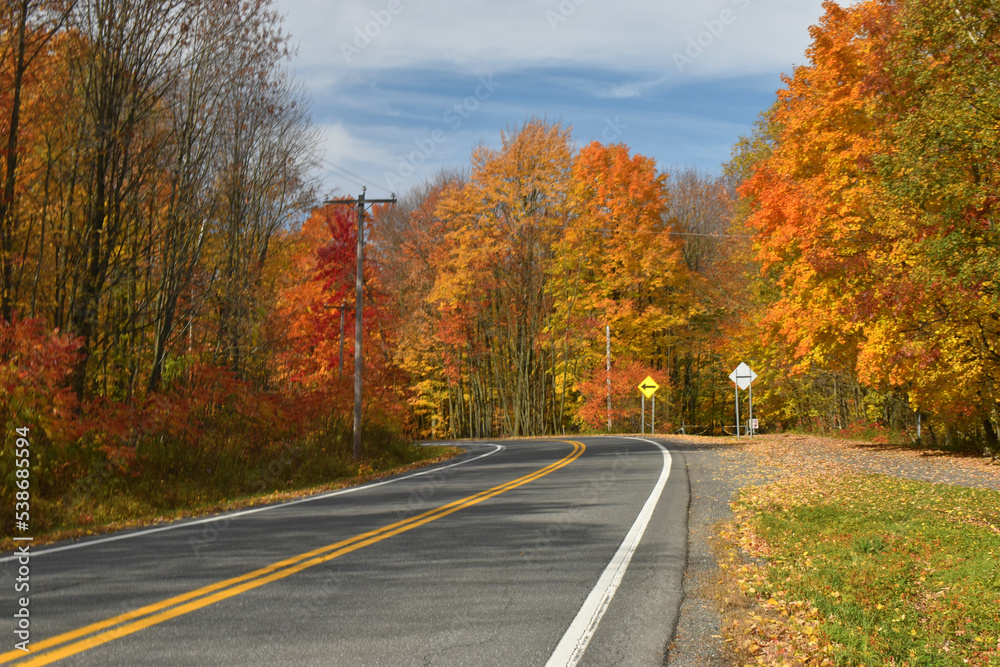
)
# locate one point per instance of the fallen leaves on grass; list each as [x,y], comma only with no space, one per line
[862,569]
[763,628]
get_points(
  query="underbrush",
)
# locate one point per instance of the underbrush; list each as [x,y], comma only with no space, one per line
[200,445]
[862,570]
[166,479]
[874,433]
[952,440]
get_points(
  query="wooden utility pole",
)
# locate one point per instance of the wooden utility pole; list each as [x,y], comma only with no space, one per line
[340,359]
[358,304]
[607,332]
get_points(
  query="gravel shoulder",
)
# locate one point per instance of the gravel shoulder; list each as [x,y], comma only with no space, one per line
[719,467]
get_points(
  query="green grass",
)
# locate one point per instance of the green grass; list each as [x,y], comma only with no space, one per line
[901,572]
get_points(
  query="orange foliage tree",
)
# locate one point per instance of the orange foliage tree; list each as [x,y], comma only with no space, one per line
[619,264]
[522,266]
[875,220]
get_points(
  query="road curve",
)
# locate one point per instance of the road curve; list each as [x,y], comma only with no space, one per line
[527,552]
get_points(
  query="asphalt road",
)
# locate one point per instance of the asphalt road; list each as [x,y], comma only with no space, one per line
[518,553]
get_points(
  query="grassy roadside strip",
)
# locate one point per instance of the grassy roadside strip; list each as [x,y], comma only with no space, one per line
[861,570]
[110,512]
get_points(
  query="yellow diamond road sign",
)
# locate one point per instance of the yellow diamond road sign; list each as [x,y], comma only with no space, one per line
[648,387]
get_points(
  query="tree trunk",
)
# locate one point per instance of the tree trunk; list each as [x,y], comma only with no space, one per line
[8,214]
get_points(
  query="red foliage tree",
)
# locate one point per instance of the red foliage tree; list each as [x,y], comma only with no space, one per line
[625,398]
[320,281]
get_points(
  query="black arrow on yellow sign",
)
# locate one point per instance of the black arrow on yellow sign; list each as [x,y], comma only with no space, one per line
[648,387]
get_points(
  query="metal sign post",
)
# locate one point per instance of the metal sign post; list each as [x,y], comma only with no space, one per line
[737,390]
[743,378]
[647,389]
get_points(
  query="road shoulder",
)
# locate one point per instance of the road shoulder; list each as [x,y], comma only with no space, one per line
[718,468]
[716,473]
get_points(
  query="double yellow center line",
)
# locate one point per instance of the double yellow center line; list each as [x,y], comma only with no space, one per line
[82,639]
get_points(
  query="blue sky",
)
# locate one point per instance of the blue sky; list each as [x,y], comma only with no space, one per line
[404,88]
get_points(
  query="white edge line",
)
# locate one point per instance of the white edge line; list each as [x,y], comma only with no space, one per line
[574,642]
[217,517]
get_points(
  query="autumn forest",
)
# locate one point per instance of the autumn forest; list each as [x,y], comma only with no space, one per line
[172,291]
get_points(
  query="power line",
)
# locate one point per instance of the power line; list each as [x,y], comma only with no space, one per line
[720,235]
[353,175]
[351,180]
[340,171]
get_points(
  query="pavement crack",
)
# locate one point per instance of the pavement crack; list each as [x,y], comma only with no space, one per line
[465,626]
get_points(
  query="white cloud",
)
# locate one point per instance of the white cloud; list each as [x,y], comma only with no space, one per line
[383,74]
[341,146]
[338,39]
